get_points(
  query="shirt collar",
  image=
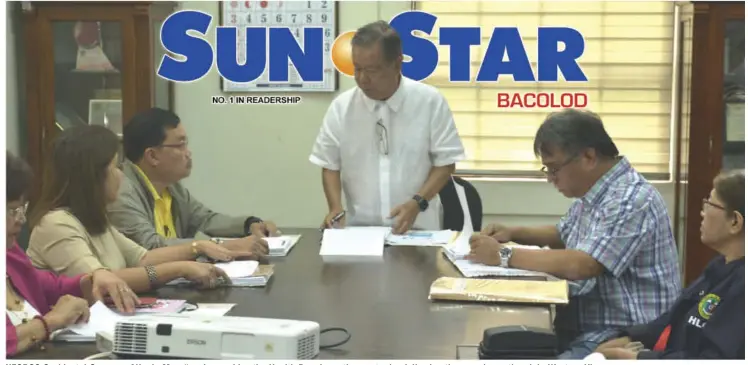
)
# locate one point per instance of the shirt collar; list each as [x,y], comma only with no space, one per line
[394,102]
[598,190]
[147,182]
[718,268]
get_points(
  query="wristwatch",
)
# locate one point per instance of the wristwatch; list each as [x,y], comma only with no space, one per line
[423,204]
[216,240]
[505,253]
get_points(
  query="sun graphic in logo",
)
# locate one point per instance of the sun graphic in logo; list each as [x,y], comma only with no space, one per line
[341,54]
[707,305]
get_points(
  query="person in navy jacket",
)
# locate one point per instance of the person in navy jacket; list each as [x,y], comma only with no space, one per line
[708,319]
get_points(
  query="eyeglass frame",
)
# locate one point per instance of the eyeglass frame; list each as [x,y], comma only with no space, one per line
[181,145]
[384,147]
[19,214]
[706,201]
[552,172]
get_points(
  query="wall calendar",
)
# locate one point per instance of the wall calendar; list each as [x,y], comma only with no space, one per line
[295,15]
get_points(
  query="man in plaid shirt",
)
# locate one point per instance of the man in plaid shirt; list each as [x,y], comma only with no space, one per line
[615,244]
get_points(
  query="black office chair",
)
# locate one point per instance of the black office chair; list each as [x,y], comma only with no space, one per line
[454,217]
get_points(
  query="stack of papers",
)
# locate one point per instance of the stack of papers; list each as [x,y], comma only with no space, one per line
[242,273]
[421,238]
[497,290]
[102,319]
[280,246]
[471,269]
[247,273]
[460,248]
[356,243]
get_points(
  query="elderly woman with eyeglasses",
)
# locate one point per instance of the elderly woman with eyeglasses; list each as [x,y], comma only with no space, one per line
[708,320]
[39,302]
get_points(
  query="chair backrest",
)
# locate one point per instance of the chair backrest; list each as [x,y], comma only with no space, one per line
[454,217]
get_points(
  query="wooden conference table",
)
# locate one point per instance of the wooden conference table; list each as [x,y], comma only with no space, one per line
[383,305]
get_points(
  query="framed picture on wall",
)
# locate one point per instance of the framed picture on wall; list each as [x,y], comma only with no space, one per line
[106,112]
[295,16]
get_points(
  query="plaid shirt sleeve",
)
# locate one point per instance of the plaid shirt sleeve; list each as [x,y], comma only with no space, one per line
[564,226]
[617,236]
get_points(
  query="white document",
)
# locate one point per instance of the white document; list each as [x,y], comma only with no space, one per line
[595,356]
[354,241]
[420,238]
[278,246]
[460,247]
[102,319]
[240,273]
[281,245]
[470,269]
[238,269]
[211,309]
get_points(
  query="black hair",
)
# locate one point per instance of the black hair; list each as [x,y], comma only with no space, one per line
[145,130]
[372,33]
[18,176]
[572,131]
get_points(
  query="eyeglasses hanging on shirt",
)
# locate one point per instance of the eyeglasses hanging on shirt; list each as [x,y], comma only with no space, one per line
[383,138]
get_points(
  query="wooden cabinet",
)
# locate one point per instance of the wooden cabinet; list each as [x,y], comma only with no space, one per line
[710,123]
[89,63]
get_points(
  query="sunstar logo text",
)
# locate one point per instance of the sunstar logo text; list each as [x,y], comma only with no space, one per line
[272,48]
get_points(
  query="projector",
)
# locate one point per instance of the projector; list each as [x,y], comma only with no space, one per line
[235,338]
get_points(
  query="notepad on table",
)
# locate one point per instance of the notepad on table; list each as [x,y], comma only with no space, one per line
[497,290]
[281,245]
[421,238]
[354,242]
[247,273]
[278,245]
[457,250]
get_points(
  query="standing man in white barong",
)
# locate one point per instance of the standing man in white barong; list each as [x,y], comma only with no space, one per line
[390,144]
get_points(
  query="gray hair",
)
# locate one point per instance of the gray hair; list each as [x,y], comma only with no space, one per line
[372,33]
[573,131]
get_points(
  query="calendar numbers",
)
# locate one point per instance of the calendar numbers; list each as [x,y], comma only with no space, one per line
[295,16]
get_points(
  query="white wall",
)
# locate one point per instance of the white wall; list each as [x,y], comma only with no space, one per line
[255,158]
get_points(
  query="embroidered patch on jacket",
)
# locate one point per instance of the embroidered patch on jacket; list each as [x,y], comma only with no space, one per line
[707,305]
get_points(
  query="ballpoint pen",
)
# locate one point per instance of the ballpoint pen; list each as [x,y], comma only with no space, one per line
[335,219]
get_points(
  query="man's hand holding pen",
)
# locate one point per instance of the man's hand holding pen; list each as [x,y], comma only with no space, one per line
[334,219]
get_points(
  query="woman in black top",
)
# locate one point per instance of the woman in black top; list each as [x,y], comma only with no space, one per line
[708,320]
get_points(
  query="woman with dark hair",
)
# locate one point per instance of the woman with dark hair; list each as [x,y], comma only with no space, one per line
[39,302]
[71,233]
[708,320]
